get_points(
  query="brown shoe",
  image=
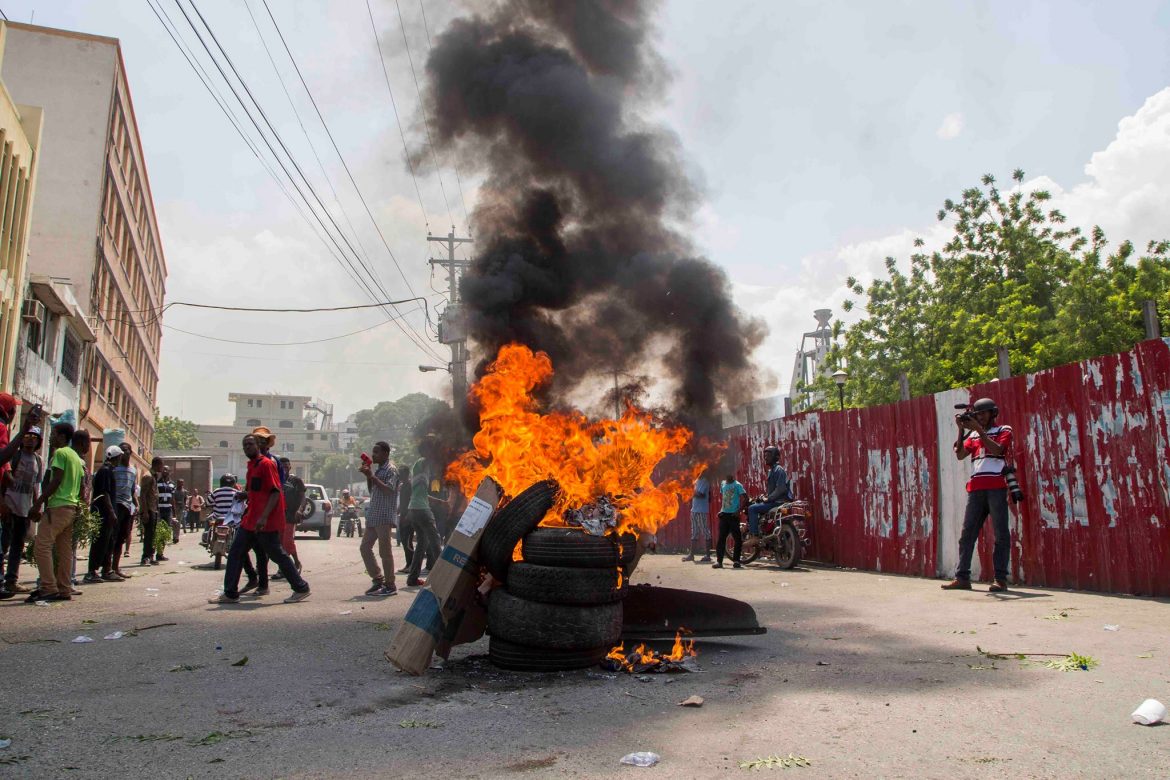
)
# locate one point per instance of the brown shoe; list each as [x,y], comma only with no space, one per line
[957,585]
[997,586]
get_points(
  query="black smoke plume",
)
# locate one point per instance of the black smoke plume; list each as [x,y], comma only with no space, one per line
[578,247]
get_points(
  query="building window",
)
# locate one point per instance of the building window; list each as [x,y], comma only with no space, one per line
[71,358]
[253,422]
[251,402]
[288,446]
[259,403]
[308,448]
[223,444]
[285,423]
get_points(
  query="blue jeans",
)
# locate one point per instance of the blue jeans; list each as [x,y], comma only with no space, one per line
[756,511]
[269,541]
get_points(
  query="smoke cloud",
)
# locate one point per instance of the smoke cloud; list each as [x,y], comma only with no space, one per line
[578,247]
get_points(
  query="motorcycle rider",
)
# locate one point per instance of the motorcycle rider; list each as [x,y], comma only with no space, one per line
[777,492]
[990,447]
[348,504]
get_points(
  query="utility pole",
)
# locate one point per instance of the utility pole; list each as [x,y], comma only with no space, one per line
[453,323]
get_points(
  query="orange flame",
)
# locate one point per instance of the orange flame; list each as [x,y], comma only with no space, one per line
[518,445]
[643,658]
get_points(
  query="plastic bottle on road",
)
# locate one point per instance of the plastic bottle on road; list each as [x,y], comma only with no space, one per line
[642,758]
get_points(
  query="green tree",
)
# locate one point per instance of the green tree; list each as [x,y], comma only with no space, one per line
[1011,275]
[395,422]
[333,470]
[172,433]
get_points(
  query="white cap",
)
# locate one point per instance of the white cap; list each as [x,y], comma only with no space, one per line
[113,452]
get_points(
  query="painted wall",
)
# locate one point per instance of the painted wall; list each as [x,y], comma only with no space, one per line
[1091,447]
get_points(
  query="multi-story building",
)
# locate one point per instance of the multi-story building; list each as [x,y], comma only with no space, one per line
[94,225]
[20,139]
[53,346]
[303,428]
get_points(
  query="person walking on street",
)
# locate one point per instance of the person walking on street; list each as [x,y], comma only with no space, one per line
[81,443]
[734,502]
[701,519]
[148,511]
[195,511]
[102,504]
[262,523]
[125,483]
[180,509]
[381,516]
[55,531]
[419,514]
[22,488]
[166,507]
[989,445]
[294,499]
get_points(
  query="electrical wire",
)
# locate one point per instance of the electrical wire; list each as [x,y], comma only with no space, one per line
[397,119]
[423,345]
[278,343]
[423,110]
[454,161]
[355,363]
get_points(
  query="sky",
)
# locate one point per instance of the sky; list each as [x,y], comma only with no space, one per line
[823,136]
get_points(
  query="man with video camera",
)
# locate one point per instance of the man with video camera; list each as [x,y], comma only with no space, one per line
[989,445]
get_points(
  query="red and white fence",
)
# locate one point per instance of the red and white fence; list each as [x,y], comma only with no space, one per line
[1092,450]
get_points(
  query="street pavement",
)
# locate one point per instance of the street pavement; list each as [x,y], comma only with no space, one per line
[863,674]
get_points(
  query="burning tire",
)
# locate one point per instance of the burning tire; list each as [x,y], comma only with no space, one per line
[627,550]
[523,658]
[512,523]
[553,626]
[569,548]
[554,585]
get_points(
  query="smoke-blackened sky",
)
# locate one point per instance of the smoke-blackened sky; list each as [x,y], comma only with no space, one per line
[578,250]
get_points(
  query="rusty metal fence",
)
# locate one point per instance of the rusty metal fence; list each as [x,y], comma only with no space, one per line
[1092,450]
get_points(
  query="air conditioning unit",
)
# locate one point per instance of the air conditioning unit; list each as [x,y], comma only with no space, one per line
[33,311]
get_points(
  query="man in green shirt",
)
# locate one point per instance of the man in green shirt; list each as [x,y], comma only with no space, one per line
[61,499]
[418,512]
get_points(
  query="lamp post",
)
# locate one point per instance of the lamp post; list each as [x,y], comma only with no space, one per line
[839,376]
[425,369]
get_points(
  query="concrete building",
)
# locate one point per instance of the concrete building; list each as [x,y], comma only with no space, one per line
[94,225]
[303,428]
[55,340]
[20,140]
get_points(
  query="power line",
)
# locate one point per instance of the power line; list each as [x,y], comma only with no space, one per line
[303,360]
[423,110]
[394,107]
[278,343]
[292,160]
[340,156]
[454,160]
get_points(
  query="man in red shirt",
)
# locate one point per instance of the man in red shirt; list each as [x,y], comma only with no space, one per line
[989,445]
[262,524]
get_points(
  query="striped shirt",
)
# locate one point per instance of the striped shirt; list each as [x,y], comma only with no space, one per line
[383,506]
[125,479]
[221,501]
[166,496]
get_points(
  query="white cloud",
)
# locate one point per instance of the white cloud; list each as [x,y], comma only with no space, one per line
[952,125]
[1127,193]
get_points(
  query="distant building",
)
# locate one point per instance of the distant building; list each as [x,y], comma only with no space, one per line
[303,428]
[94,224]
[347,433]
[20,128]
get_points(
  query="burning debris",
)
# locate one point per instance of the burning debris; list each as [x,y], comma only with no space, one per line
[579,251]
[596,518]
[644,660]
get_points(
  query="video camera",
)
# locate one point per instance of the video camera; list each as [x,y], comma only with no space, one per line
[968,412]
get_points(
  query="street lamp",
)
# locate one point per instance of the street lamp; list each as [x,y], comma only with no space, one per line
[839,376]
[425,369]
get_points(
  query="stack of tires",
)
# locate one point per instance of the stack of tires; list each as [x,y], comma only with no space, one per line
[561,604]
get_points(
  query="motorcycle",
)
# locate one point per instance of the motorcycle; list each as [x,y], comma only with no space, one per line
[350,522]
[217,539]
[784,534]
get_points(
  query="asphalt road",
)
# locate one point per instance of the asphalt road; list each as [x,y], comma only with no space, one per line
[865,675]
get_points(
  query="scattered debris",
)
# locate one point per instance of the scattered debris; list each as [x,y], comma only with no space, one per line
[82,639]
[823,663]
[5,744]
[1062,615]
[776,762]
[242,662]
[632,696]
[1072,662]
[31,641]
[10,760]
[691,701]
[681,658]
[42,603]
[187,667]
[1150,712]
[642,758]
[1146,655]
[982,667]
[147,738]
[89,622]
[1111,627]
[529,764]
[215,737]
[346,612]
[420,724]
[115,635]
